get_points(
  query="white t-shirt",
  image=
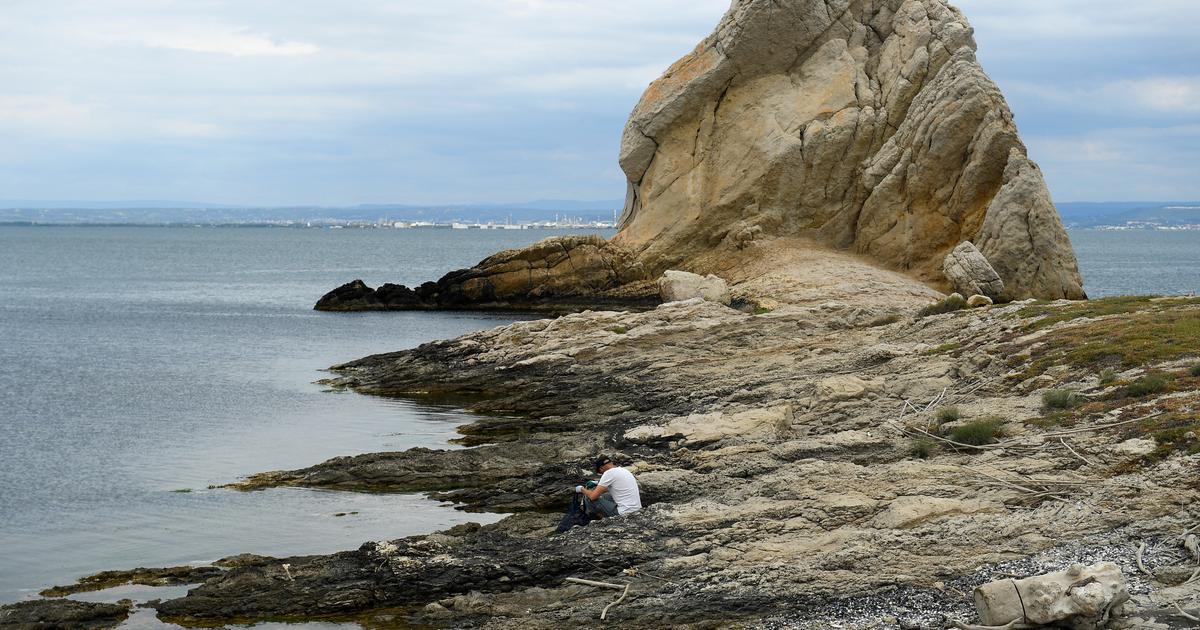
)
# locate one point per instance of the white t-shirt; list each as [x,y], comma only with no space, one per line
[623,488]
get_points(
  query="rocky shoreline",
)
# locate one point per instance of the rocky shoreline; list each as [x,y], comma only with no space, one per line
[845,446]
[788,479]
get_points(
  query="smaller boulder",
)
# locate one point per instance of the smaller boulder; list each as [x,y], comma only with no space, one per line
[677,286]
[978,301]
[1084,598]
[971,273]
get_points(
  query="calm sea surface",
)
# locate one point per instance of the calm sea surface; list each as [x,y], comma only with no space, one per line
[139,362]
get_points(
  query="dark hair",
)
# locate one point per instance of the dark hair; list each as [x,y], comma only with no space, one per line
[601,461]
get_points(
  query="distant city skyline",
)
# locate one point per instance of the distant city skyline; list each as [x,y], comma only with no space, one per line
[274,103]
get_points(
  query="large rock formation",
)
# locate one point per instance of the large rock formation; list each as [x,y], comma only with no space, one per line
[861,125]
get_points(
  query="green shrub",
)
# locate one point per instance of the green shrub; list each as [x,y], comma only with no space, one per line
[1060,399]
[1195,371]
[922,448]
[1146,385]
[1108,376]
[620,330]
[954,302]
[978,432]
[948,414]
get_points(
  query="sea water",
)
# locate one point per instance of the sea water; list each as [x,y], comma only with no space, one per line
[141,365]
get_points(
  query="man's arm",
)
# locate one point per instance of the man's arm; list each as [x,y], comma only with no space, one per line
[594,493]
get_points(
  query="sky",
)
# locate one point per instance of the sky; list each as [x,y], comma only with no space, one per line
[306,102]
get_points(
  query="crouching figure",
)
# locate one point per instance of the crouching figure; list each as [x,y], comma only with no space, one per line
[615,494]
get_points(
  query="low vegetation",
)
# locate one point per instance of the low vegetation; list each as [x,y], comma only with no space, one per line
[948,414]
[1052,314]
[1195,370]
[922,448]
[954,302]
[978,432]
[1145,386]
[620,330]
[1136,340]
[944,348]
[1108,376]
[1060,399]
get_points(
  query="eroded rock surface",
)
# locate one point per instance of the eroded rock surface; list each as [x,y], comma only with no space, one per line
[786,486]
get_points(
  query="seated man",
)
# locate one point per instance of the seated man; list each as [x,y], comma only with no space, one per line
[616,494]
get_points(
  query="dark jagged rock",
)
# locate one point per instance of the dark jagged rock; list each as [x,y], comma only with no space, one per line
[414,571]
[61,614]
[507,477]
[168,576]
[357,296]
[557,274]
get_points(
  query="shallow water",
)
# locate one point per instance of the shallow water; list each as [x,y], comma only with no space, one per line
[140,362]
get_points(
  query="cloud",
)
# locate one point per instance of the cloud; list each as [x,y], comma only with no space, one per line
[1175,95]
[47,113]
[1121,163]
[1179,95]
[305,101]
[233,42]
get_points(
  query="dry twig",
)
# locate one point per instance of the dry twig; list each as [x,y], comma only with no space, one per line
[1181,611]
[1142,567]
[621,587]
[1074,452]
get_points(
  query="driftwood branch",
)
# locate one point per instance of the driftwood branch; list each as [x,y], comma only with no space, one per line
[624,588]
[1185,614]
[1012,625]
[1074,452]
[604,613]
[1142,567]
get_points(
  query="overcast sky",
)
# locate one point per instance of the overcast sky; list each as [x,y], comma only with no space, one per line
[279,102]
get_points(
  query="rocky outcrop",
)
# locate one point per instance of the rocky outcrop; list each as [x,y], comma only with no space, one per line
[865,125]
[970,273]
[61,614]
[556,274]
[859,125]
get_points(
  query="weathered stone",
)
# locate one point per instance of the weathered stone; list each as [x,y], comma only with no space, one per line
[970,273]
[1081,597]
[1136,447]
[676,286]
[979,301]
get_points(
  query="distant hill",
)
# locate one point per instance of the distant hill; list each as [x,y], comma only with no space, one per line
[1120,213]
[171,212]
